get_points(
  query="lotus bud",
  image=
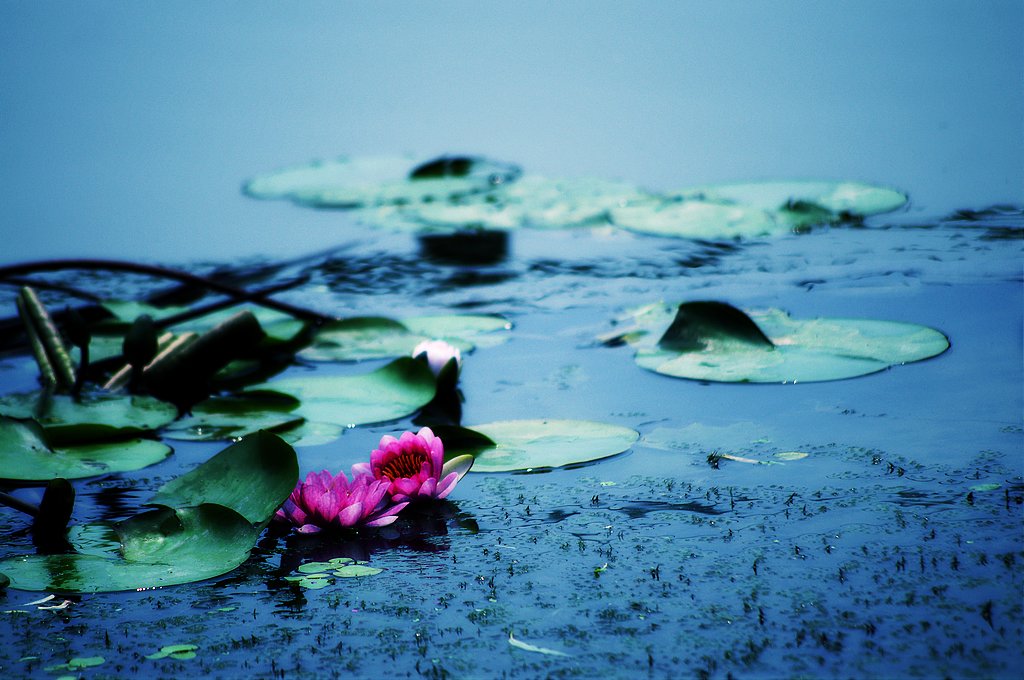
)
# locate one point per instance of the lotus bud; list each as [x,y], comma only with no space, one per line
[444,359]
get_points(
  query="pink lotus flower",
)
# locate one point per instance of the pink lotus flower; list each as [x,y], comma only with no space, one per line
[414,466]
[324,501]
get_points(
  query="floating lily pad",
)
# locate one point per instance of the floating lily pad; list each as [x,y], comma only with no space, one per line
[159,548]
[77,664]
[393,391]
[252,477]
[356,571]
[707,341]
[179,652]
[528,445]
[362,338]
[223,418]
[24,456]
[698,219]
[382,180]
[837,198]
[220,510]
[95,417]
[533,201]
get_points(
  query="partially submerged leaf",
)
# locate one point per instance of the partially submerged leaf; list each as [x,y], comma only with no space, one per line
[528,445]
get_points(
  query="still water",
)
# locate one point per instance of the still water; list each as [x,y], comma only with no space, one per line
[128,129]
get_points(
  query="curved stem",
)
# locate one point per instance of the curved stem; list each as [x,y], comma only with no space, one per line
[162,272]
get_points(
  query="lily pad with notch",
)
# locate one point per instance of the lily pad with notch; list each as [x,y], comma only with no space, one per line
[714,341]
[535,445]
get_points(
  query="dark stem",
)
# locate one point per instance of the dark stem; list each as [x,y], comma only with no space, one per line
[163,272]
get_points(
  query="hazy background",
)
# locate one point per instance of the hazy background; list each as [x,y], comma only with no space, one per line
[127,128]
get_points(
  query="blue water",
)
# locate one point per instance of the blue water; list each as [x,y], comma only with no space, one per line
[126,128]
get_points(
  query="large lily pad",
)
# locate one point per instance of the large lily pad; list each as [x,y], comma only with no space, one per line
[96,416]
[698,219]
[222,418]
[714,341]
[530,445]
[392,391]
[838,198]
[25,456]
[371,337]
[161,547]
[533,201]
[252,477]
[382,180]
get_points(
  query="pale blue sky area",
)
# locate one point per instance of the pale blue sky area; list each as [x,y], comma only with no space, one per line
[127,128]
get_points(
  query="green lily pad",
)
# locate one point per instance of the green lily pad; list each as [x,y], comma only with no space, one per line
[159,548]
[837,198]
[252,477]
[532,201]
[362,338]
[77,664]
[95,417]
[224,418]
[381,180]
[356,571]
[179,652]
[704,341]
[698,219]
[529,445]
[24,456]
[393,391]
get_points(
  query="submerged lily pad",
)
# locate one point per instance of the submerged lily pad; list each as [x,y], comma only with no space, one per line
[705,341]
[159,548]
[528,445]
[24,456]
[401,387]
[382,180]
[252,477]
[371,337]
[95,417]
[221,418]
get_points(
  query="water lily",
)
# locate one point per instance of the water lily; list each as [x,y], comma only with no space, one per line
[444,359]
[414,466]
[326,501]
